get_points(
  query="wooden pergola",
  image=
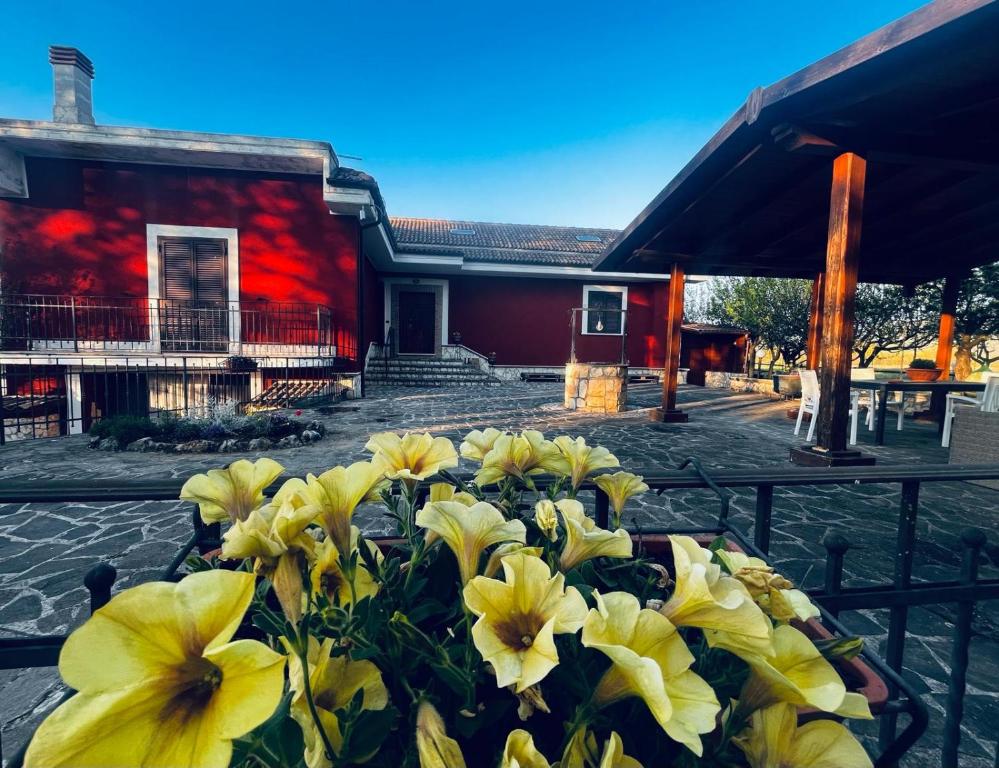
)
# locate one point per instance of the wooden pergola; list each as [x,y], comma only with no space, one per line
[893,136]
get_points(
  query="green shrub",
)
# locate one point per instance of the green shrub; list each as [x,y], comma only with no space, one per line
[922,362]
[125,429]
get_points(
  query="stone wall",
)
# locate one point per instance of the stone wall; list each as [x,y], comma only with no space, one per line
[975,440]
[596,388]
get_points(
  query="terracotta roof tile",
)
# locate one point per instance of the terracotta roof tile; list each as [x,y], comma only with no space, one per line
[478,241]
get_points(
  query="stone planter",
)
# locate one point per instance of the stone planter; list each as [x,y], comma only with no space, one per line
[789,385]
[596,388]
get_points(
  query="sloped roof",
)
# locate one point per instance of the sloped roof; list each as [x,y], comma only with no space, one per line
[488,242]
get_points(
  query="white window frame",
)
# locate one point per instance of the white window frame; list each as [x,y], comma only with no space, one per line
[622,289]
[231,235]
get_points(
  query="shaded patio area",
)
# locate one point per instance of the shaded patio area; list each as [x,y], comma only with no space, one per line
[45,551]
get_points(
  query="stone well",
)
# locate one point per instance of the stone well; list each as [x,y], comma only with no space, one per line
[596,388]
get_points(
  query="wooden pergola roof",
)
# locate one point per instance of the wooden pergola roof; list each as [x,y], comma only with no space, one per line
[919,99]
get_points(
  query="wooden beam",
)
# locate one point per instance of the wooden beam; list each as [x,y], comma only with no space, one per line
[846,212]
[674,320]
[948,308]
[813,348]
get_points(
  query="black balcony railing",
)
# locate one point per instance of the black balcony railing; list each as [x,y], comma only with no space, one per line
[110,325]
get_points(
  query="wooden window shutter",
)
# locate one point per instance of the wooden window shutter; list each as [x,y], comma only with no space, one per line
[177,257]
[210,271]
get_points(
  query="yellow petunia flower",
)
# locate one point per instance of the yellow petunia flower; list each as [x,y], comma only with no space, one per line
[520,752]
[620,487]
[447,492]
[336,493]
[327,577]
[334,681]
[797,673]
[468,531]
[519,618]
[584,541]
[478,443]
[650,661]
[173,690]
[275,537]
[546,518]
[771,591]
[434,747]
[495,561]
[774,740]
[520,456]
[720,605]
[412,457]
[231,493]
[583,752]
[583,460]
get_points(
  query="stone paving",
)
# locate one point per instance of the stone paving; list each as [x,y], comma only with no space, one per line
[46,550]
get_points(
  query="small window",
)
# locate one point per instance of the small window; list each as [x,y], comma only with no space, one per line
[462,231]
[604,309]
[588,238]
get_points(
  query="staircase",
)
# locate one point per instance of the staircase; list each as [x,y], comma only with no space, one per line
[426,372]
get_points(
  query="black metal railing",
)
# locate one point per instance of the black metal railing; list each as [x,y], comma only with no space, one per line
[833,598]
[49,395]
[113,325]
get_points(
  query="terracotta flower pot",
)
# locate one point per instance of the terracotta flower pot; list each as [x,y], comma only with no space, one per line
[923,374]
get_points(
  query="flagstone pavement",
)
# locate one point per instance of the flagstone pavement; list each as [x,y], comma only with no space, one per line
[46,549]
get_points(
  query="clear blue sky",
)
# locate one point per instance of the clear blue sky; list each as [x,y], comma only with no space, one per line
[554,112]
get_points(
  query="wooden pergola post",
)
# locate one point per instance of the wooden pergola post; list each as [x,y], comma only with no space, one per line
[671,367]
[846,213]
[948,308]
[813,347]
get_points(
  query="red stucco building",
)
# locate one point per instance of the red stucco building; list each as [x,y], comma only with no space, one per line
[164,256]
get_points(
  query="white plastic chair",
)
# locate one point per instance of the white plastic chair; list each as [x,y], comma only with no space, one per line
[985,401]
[810,396]
[869,399]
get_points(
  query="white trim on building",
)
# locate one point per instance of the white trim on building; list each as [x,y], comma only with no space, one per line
[587,289]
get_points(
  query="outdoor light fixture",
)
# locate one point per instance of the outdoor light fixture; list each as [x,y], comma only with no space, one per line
[600,324]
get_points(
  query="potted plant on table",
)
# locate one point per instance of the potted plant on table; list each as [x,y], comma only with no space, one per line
[239,364]
[502,627]
[922,369]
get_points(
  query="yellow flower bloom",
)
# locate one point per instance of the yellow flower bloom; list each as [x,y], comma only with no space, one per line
[584,541]
[478,443]
[771,591]
[159,683]
[519,618]
[520,456]
[797,673]
[718,604]
[620,487]
[447,492]
[582,752]
[495,561]
[469,530]
[583,459]
[774,740]
[435,748]
[520,752]
[232,493]
[650,661]
[337,493]
[411,458]
[328,578]
[334,680]
[277,540]
[547,519]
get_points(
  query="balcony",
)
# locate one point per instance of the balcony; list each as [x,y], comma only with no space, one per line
[144,326]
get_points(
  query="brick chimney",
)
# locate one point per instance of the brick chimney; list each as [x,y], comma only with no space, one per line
[72,75]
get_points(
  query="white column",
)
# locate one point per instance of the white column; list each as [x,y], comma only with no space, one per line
[256,383]
[74,404]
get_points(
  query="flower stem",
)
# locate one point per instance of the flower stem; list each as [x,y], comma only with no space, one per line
[303,657]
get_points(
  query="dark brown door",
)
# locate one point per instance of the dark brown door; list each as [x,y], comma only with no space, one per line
[194,309]
[417,318]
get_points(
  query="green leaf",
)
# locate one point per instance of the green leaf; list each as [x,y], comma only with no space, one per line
[196,563]
[365,733]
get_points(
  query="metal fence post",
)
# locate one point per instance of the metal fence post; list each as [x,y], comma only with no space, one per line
[72,316]
[98,582]
[184,383]
[899,616]
[601,507]
[973,540]
[836,545]
[764,513]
